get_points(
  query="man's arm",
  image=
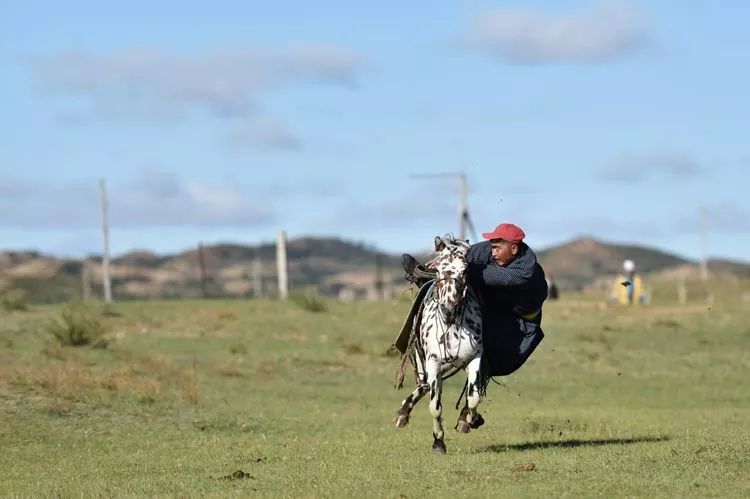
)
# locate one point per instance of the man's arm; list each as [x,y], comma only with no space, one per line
[483,269]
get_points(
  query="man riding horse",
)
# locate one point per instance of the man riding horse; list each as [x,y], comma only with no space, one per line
[511,286]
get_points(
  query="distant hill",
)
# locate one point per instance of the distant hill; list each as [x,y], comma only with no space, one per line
[581,261]
[332,266]
[329,265]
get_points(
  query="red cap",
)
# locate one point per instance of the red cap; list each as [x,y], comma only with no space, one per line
[508,232]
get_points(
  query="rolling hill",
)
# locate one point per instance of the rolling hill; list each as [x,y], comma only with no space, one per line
[332,266]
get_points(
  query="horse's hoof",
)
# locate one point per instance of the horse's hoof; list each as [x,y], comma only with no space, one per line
[401,421]
[463,426]
[477,421]
[438,447]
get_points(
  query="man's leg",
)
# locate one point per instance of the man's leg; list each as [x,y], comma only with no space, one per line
[508,343]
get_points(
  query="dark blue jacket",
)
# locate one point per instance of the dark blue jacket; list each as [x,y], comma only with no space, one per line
[520,287]
[512,299]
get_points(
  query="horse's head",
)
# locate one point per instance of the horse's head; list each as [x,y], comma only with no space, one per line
[450,282]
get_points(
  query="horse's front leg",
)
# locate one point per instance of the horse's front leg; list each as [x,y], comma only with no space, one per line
[469,417]
[435,382]
[403,413]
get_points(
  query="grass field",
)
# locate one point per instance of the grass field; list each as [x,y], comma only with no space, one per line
[618,402]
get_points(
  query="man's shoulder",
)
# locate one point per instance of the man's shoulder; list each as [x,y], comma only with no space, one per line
[481,249]
[527,258]
[480,245]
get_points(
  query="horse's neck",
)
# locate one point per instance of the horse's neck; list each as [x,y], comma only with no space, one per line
[470,299]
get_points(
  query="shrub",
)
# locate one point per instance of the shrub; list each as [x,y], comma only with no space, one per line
[14,299]
[309,300]
[77,325]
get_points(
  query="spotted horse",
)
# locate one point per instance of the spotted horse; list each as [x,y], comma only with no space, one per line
[447,339]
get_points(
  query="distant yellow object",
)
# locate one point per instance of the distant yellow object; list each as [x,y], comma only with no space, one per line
[627,291]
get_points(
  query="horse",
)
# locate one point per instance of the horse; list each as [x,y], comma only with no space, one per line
[446,340]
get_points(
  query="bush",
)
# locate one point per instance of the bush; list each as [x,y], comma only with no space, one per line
[309,300]
[78,325]
[14,299]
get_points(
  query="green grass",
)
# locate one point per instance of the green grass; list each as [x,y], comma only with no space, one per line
[649,401]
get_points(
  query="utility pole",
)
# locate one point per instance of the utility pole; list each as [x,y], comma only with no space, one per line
[281,265]
[463,206]
[464,221]
[105,234]
[704,245]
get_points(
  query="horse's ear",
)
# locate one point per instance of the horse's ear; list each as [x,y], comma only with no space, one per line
[439,244]
[464,244]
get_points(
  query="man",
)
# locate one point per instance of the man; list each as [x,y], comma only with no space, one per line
[504,272]
[628,286]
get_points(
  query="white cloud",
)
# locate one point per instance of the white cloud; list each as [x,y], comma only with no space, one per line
[631,169]
[152,199]
[267,135]
[604,32]
[151,83]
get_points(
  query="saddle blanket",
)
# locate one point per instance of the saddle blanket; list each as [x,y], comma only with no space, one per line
[402,340]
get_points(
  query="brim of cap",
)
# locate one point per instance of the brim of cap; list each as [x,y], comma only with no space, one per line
[495,235]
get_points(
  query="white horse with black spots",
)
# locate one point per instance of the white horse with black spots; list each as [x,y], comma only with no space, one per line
[448,339]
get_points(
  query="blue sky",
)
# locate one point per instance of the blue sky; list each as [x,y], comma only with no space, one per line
[230,121]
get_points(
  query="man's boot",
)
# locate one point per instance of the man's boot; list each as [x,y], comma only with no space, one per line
[416,272]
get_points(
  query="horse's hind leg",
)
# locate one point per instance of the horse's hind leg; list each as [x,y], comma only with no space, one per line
[469,417]
[435,382]
[402,415]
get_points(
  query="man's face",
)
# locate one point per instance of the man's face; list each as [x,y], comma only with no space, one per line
[503,251]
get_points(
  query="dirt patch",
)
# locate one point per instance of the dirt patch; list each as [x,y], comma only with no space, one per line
[352,349]
[669,323]
[524,467]
[553,426]
[237,475]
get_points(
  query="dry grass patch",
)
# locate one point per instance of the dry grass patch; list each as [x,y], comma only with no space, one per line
[70,382]
[231,370]
[189,386]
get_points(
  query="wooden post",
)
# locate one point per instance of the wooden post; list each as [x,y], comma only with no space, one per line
[379,284]
[681,290]
[85,280]
[105,235]
[704,246]
[202,269]
[281,266]
[257,276]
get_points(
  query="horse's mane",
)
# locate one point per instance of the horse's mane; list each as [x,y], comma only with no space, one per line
[450,240]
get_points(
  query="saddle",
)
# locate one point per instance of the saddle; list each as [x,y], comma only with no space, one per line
[402,339]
